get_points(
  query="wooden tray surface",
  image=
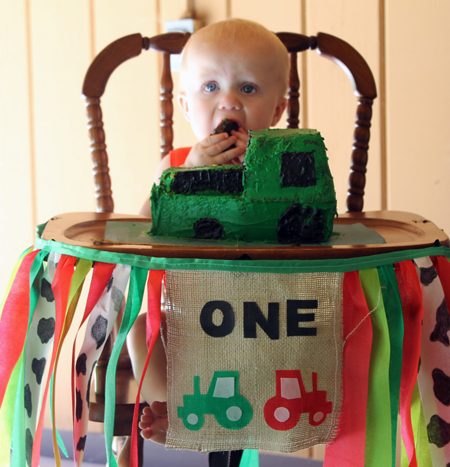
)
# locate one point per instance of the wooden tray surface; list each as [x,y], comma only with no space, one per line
[400,230]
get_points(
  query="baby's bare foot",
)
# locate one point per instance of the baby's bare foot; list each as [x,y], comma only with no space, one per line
[154,422]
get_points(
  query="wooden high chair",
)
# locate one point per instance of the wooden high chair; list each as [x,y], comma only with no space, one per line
[130,46]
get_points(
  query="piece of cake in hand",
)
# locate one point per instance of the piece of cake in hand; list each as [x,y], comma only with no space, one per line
[283,193]
[226,126]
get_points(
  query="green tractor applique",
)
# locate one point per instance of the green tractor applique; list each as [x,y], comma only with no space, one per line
[231,410]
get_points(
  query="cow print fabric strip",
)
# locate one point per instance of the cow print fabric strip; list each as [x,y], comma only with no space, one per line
[38,348]
[99,326]
[433,379]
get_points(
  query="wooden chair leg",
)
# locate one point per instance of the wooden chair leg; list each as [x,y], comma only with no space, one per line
[235,458]
[140,451]
[219,459]
[225,458]
[123,454]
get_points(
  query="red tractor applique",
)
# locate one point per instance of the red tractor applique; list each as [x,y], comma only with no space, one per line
[282,412]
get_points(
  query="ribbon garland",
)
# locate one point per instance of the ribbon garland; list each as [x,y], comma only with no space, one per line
[101,319]
[132,307]
[393,307]
[382,312]
[412,307]
[100,277]
[349,447]
[153,322]
[378,418]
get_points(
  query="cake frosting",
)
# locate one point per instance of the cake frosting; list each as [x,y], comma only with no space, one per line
[283,193]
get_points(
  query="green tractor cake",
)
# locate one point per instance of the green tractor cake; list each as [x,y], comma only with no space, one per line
[283,193]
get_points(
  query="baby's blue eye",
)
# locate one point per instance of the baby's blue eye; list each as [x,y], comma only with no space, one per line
[210,87]
[248,88]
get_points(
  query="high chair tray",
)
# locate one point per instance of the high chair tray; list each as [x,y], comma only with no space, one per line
[398,230]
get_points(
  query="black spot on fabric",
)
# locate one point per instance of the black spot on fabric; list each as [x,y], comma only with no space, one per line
[300,224]
[46,290]
[438,431]
[441,386]
[78,405]
[208,228]
[109,284]
[298,169]
[28,446]
[46,329]
[98,331]
[81,443]
[81,364]
[213,180]
[442,326]
[117,298]
[38,367]
[427,275]
[27,400]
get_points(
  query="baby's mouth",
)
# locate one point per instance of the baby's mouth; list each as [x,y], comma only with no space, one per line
[227,125]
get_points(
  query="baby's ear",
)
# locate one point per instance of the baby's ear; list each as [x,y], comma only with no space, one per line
[182,100]
[279,109]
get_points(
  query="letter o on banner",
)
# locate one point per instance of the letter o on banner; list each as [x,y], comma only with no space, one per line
[228,319]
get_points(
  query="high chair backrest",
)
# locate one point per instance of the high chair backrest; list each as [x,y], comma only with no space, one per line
[130,46]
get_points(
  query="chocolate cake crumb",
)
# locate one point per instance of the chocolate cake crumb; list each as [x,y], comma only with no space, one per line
[226,126]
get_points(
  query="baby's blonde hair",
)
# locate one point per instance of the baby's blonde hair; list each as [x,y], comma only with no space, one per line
[241,31]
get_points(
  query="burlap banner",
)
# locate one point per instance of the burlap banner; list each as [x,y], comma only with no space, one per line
[273,355]
[254,360]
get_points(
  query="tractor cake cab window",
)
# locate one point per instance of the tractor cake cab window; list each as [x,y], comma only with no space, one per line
[298,169]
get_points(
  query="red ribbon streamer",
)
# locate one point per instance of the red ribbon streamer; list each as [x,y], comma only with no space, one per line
[412,306]
[348,449]
[153,323]
[14,322]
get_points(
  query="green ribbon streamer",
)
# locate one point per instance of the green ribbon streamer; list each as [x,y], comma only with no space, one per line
[134,300]
[394,315]
[378,427]
[279,266]
[18,433]
[7,416]
[18,458]
[250,458]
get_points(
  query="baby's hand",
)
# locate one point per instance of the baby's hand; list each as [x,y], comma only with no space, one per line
[241,142]
[154,422]
[216,150]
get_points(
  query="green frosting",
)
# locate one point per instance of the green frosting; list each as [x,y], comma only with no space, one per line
[254,213]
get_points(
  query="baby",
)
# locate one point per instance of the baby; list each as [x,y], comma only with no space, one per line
[235,70]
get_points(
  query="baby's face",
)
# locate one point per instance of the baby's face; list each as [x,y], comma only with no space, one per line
[237,84]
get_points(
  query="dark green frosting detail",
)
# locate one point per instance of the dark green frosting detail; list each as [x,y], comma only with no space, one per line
[208,180]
